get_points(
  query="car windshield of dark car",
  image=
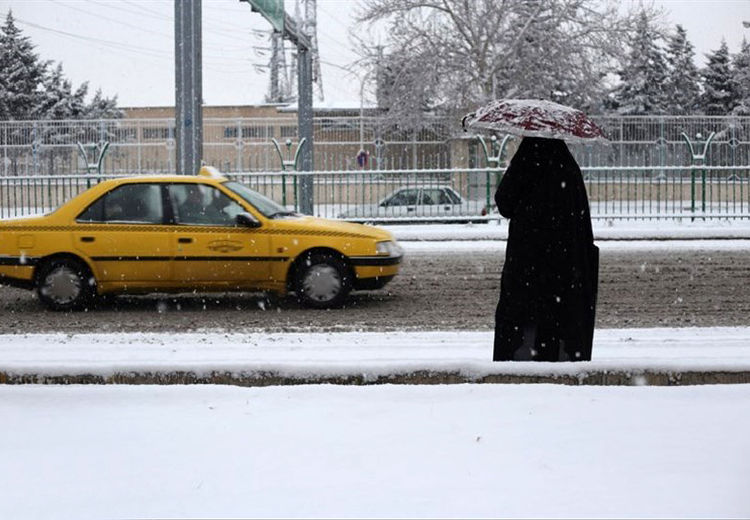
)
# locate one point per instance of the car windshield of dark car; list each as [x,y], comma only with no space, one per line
[266,206]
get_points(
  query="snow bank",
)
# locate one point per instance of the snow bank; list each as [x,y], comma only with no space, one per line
[366,356]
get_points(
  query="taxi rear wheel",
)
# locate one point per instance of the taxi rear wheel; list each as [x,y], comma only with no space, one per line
[65,284]
[323,281]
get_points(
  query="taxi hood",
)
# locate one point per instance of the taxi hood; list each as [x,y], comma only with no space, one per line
[336,226]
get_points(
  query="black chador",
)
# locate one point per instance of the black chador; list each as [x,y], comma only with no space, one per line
[549,281]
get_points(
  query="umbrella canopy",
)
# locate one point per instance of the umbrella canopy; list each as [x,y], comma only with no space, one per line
[535,118]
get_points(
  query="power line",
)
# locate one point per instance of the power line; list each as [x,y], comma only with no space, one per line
[117,45]
[58,2]
[135,49]
[219,32]
[158,33]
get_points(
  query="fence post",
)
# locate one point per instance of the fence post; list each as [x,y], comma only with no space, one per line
[288,163]
[35,148]
[493,161]
[93,167]
[697,160]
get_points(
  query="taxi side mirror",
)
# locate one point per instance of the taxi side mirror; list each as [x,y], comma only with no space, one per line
[247,220]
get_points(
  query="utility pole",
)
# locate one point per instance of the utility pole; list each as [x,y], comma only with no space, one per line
[273,11]
[310,27]
[277,48]
[188,86]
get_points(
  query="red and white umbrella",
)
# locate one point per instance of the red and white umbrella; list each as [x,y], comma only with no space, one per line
[535,118]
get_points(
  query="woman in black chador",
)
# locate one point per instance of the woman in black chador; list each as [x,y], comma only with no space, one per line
[549,281]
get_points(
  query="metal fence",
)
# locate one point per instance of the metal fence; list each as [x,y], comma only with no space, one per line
[656,192]
[140,146]
[654,167]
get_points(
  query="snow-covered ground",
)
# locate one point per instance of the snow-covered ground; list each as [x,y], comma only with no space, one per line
[384,451]
[368,354]
[388,450]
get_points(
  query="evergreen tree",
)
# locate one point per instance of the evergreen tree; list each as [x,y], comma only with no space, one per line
[683,83]
[643,77]
[21,73]
[57,99]
[741,75]
[30,90]
[719,89]
[102,107]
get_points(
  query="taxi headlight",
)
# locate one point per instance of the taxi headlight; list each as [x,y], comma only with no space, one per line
[389,248]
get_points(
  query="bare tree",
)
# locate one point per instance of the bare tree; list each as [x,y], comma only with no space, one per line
[451,55]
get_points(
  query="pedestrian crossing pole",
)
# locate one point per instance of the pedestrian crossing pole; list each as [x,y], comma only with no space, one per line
[188,86]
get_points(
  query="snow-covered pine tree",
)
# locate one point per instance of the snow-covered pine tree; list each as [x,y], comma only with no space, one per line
[57,99]
[741,74]
[102,107]
[682,88]
[719,90]
[21,73]
[644,75]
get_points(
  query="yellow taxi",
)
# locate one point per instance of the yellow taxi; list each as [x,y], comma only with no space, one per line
[189,233]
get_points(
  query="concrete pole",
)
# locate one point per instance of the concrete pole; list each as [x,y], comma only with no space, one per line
[305,123]
[188,86]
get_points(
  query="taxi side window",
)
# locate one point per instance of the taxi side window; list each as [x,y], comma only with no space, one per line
[197,204]
[131,203]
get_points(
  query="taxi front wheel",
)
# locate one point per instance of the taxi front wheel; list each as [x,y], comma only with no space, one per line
[65,284]
[323,281]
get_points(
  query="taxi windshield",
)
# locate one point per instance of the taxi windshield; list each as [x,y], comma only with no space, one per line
[266,206]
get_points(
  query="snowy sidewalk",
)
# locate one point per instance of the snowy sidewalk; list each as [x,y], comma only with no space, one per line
[387,451]
[621,356]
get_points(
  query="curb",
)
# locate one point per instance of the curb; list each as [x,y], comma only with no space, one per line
[419,377]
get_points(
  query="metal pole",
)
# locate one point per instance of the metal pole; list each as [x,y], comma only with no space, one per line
[305,123]
[188,86]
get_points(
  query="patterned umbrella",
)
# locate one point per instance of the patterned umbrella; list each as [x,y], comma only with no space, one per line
[535,118]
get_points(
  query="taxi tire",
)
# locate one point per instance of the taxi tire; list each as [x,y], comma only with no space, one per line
[325,264]
[74,268]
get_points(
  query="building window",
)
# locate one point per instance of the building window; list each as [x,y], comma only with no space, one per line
[288,131]
[250,132]
[158,133]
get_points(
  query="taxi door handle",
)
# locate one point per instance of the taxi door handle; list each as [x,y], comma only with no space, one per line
[185,240]
[87,239]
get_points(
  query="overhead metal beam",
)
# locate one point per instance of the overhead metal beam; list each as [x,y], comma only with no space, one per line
[188,86]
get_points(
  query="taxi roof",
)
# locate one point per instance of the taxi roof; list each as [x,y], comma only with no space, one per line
[206,174]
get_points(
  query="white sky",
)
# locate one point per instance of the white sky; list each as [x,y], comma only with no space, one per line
[126,47]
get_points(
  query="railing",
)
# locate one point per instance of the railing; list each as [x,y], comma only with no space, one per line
[140,146]
[615,193]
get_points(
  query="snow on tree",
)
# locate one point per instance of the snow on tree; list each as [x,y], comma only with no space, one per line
[682,88]
[30,90]
[644,74]
[102,107]
[21,73]
[719,90]
[464,53]
[57,99]
[741,75]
